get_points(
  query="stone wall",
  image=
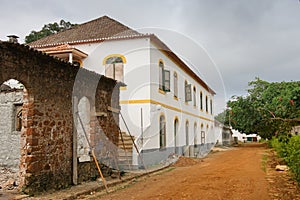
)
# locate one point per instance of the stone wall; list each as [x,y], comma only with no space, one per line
[10,102]
[52,87]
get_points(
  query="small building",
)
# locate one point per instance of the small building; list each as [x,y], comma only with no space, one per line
[223,134]
[242,137]
[296,130]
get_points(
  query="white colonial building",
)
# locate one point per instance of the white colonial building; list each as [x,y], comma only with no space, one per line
[166,106]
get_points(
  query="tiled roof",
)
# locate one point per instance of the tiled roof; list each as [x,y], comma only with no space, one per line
[105,28]
[96,30]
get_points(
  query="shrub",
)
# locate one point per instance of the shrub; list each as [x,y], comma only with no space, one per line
[289,149]
[293,156]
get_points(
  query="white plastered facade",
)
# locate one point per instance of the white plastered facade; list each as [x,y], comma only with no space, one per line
[143,103]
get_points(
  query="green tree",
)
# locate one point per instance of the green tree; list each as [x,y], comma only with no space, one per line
[48,29]
[269,109]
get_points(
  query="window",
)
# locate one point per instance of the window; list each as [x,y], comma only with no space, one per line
[175,85]
[18,117]
[188,91]
[164,78]
[206,104]
[195,134]
[201,100]
[211,106]
[194,96]
[202,137]
[162,132]
[114,68]
[187,133]
[176,123]
[161,73]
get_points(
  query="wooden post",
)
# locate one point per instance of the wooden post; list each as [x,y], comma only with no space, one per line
[93,153]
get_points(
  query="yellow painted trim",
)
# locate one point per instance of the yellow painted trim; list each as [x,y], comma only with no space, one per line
[80,62]
[114,55]
[187,122]
[162,114]
[161,91]
[139,101]
[161,60]
[123,88]
[176,118]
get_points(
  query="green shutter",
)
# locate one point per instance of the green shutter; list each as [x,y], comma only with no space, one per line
[166,81]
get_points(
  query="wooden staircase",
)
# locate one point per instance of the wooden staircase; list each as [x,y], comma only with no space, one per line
[125,151]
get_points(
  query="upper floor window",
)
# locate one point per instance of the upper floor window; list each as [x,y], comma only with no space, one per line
[201,100]
[211,106]
[206,103]
[194,96]
[164,77]
[114,67]
[188,91]
[175,84]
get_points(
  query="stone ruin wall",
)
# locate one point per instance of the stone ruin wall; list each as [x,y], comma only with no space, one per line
[46,139]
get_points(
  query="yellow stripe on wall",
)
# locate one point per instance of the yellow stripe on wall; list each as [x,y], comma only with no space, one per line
[139,101]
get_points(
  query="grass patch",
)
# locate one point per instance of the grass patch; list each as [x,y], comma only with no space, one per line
[264,161]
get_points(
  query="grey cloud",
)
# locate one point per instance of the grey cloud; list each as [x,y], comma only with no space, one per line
[244,38]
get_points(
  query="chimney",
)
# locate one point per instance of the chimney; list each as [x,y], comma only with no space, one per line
[13,38]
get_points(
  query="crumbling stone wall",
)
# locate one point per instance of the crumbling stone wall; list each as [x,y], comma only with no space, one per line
[10,102]
[48,122]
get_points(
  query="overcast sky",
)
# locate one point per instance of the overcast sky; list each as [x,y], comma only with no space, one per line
[243,38]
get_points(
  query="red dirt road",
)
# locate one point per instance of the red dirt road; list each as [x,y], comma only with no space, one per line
[233,174]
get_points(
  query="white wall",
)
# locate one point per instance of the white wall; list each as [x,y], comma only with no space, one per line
[172,107]
[141,77]
[136,75]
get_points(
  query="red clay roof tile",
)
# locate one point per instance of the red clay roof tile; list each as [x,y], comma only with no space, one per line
[97,29]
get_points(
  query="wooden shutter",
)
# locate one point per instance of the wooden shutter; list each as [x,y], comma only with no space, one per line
[109,71]
[119,72]
[188,92]
[166,81]
[161,72]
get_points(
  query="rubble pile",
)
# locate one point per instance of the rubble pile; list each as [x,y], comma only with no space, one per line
[8,179]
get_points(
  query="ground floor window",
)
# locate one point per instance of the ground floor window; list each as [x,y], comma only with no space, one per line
[162,131]
[202,137]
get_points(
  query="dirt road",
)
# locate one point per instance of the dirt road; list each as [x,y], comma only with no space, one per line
[233,174]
